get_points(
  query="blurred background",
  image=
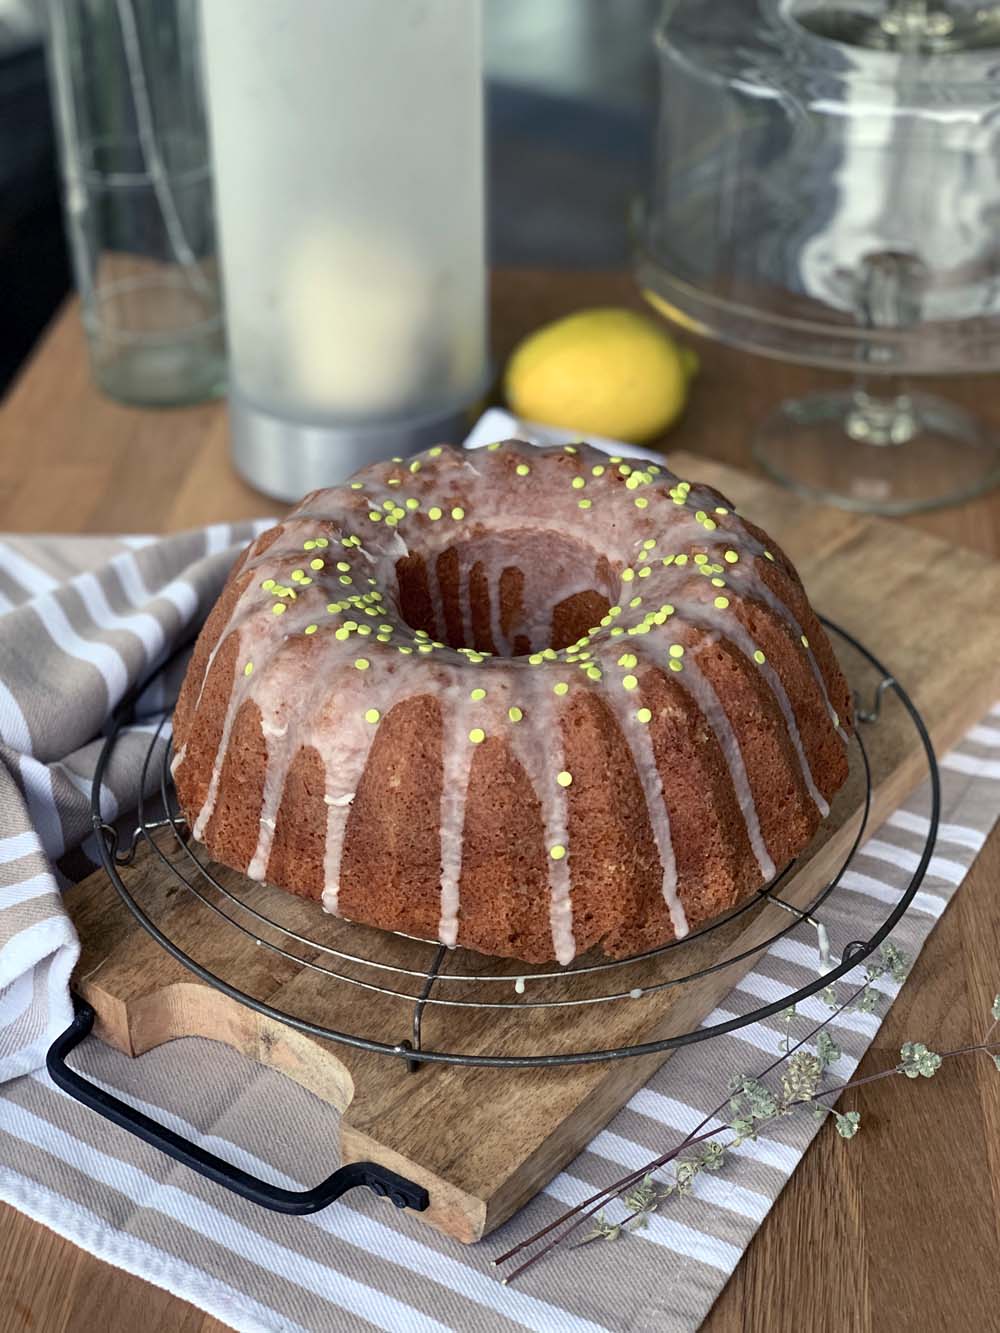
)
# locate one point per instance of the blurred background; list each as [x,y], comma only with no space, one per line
[571,91]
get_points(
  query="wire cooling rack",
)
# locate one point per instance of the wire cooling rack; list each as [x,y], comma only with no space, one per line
[398,987]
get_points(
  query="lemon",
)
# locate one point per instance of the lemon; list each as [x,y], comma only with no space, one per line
[600,372]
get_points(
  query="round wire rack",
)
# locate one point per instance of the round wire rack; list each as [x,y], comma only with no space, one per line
[506,1013]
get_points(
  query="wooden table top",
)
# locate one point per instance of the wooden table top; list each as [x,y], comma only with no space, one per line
[900,1228]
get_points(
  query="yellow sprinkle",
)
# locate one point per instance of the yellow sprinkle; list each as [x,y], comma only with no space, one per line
[346,580]
[617,631]
[680,560]
[701,559]
[584,504]
[628,660]
[640,502]
[406,649]
[435,452]
[710,525]
[386,629]
[675,664]
[475,657]
[343,566]
[731,557]
[569,449]
[759,658]
[557,852]
[649,543]
[311,629]
[667,609]
[492,448]
[645,573]
[357,485]
[365,629]
[594,673]
[362,663]
[342,633]
[676,650]
[644,715]
[514,714]
[624,469]
[536,659]
[372,715]
[718,583]
[416,465]
[522,469]
[384,638]
[434,513]
[321,541]
[768,555]
[628,575]
[458,513]
[700,516]
[279,608]
[722,603]
[375,516]
[248,669]
[564,779]
[477,735]
[425,648]
[267,585]
[308,545]
[629,682]
[805,642]
[298,574]
[412,503]
[578,483]
[477,694]
[560,688]
[394,481]
[317,564]
[615,458]
[721,510]
[597,471]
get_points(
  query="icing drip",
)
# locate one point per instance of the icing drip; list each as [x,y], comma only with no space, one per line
[715,715]
[542,766]
[640,744]
[738,636]
[457,753]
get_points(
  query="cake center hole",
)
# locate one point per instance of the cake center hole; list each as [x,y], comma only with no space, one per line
[507,593]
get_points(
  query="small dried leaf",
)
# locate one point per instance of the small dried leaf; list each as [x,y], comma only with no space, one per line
[847,1124]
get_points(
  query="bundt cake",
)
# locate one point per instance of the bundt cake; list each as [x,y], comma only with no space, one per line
[528,701]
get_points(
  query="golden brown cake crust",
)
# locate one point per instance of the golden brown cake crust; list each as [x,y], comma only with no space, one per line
[529,701]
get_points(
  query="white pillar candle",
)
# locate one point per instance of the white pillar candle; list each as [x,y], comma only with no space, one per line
[348,150]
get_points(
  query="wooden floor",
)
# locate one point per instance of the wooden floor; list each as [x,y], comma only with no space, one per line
[899,1229]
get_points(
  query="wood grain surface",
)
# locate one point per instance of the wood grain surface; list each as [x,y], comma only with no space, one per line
[900,1230]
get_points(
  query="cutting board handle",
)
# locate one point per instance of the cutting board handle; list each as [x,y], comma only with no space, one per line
[379,1179]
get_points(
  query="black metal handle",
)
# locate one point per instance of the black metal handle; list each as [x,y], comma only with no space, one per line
[381,1181]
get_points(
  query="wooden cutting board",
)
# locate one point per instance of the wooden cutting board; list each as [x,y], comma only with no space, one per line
[483,1141]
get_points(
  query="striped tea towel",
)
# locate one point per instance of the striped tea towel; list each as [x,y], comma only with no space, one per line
[82,619]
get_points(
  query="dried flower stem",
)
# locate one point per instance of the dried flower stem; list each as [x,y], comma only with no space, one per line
[574,1217]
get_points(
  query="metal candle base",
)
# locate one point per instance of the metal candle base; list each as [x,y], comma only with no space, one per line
[285,459]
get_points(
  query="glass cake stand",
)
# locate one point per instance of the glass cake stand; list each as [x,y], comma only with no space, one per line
[826,190]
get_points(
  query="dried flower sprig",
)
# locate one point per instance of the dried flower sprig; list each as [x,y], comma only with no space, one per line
[751,1105]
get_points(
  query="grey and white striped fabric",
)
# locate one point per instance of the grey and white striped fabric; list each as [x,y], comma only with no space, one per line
[82,620]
